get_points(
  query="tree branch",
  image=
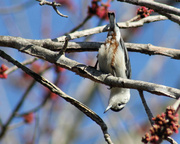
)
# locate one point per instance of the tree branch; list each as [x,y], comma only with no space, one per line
[54,5]
[91,114]
[80,25]
[17,42]
[169,11]
[171,140]
[105,28]
[147,109]
[45,100]
[154,5]
[150,115]
[171,17]
[93,74]
[26,62]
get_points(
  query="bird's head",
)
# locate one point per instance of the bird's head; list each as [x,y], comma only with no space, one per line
[116,107]
[118,99]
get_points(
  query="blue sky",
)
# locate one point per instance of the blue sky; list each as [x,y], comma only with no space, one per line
[39,22]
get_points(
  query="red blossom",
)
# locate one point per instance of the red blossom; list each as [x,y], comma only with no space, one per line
[34,67]
[59,69]
[100,10]
[28,118]
[53,96]
[144,11]
[3,68]
[165,125]
[67,3]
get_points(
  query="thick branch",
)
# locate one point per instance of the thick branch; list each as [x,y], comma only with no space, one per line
[90,73]
[172,17]
[17,42]
[91,114]
[169,11]
[153,50]
[155,6]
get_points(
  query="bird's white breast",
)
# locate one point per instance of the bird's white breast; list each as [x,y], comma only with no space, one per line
[111,56]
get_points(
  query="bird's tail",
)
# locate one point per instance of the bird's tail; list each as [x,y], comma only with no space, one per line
[112,20]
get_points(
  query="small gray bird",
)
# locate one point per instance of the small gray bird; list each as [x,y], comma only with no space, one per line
[113,58]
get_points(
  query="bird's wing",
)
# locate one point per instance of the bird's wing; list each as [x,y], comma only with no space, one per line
[127,61]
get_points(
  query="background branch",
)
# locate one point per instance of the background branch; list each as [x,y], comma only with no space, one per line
[147,109]
[57,91]
[80,25]
[45,100]
[26,62]
[171,12]
[19,105]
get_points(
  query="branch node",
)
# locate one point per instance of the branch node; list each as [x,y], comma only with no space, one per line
[53,4]
[62,51]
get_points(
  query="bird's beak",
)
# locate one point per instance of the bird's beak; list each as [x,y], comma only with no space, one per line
[109,106]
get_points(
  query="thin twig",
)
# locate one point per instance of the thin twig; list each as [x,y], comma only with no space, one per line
[35,129]
[44,2]
[64,46]
[80,25]
[43,102]
[34,109]
[58,12]
[171,140]
[54,5]
[150,115]
[26,62]
[91,114]
[14,126]
[176,105]
[147,109]
[5,126]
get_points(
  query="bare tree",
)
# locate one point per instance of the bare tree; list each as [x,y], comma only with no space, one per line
[54,53]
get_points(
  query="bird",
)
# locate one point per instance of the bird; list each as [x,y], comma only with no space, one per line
[113,59]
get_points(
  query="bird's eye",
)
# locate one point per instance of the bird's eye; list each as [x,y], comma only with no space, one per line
[119,104]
